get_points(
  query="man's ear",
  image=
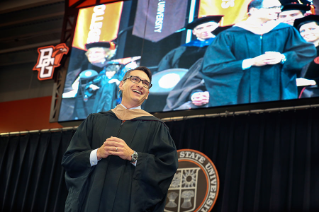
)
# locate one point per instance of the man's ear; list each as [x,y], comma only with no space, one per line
[147,95]
[193,32]
[121,85]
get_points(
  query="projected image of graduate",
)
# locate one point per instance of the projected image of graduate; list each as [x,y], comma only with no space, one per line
[186,55]
[183,58]
[98,54]
[256,60]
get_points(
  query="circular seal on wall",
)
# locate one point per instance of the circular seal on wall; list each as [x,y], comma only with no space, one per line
[195,185]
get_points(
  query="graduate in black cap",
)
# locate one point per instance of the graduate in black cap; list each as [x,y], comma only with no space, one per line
[308,27]
[292,11]
[96,57]
[187,54]
[256,60]
[99,53]
[101,56]
[309,30]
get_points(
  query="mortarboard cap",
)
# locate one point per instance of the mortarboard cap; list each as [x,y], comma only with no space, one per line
[198,21]
[103,44]
[301,21]
[292,6]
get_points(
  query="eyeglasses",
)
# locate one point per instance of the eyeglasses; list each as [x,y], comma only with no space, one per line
[273,7]
[136,80]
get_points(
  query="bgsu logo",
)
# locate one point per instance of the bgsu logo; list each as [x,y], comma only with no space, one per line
[49,58]
[195,185]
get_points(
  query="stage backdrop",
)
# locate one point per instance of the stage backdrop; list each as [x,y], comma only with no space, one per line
[266,162]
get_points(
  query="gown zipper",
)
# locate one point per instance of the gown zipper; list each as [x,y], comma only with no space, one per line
[261,45]
[118,132]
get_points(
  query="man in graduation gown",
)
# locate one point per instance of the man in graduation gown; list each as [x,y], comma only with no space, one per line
[186,55]
[256,60]
[121,160]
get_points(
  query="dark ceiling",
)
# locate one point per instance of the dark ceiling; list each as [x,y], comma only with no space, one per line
[26,29]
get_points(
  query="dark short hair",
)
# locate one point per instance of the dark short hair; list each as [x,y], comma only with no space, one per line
[258,4]
[140,68]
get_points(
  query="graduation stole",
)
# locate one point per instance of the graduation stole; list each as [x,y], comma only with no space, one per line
[126,114]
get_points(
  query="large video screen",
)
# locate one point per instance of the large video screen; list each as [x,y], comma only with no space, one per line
[202,54]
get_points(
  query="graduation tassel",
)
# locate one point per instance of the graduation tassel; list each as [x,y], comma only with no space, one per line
[312,9]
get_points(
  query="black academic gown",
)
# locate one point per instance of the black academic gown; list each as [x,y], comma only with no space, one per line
[229,84]
[184,56]
[171,59]
[180,97]
[115,184]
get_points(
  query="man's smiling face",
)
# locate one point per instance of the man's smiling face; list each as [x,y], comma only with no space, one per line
[269,10]
[96,54]
[134,94]
[204,31]
[310,32]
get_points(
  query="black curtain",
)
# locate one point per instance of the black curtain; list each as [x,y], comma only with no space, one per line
[265,162]
[31,176]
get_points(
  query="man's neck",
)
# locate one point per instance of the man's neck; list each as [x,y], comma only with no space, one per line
[129,106]
[257,21]
[206,38]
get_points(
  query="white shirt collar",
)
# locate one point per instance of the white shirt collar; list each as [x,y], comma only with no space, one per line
[205,39]
[138,107]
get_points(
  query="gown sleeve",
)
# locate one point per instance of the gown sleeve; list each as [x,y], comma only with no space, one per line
[171,59]
[190,83]
[76,158]
[219,59]
[222,71]
[154,172]
[220,66]
[298,52]
[76,162]
[312,71]
[96,81]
